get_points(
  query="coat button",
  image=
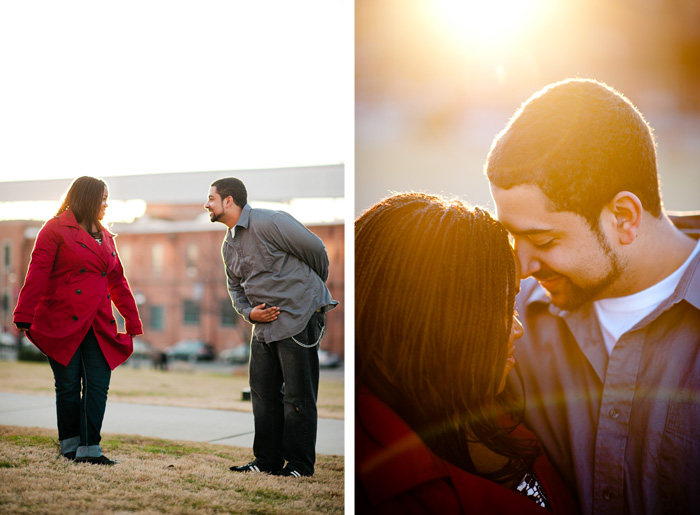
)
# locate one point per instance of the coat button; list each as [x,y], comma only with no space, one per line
[75,318]
[104,273]
[82,270]
[83,245]
[109,296]
[112,321]
[114,253]
[78,292]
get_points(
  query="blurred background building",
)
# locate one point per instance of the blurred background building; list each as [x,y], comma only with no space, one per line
[436,80]
[170,250]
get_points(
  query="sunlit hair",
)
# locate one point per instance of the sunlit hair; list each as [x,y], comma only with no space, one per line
[581,142]
[84,199]
[434,292]
[232,187]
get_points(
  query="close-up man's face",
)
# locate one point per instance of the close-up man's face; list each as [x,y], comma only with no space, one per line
[574,263]
[214,205]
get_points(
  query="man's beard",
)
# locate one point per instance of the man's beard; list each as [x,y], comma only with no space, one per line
[214,217]
[576,296]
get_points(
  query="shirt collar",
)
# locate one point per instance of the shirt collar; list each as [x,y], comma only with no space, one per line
[243,222]
[689,286]
[244,219]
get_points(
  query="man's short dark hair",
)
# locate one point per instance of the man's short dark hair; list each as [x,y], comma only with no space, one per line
[232,187]
[581,142]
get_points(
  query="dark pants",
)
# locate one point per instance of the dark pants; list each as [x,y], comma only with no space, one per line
[81,398]
[284,388]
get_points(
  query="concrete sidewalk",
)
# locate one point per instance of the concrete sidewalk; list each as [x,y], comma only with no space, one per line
[172,423]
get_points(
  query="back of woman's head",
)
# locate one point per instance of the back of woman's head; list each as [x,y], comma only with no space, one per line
[83,198]
[435,284]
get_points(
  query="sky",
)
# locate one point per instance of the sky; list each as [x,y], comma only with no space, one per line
[151,86]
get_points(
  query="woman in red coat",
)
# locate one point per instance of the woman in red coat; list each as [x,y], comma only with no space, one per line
[436,429]
[65,307]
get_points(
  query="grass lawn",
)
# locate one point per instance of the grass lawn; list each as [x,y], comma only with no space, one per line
[181,386]
[154,476]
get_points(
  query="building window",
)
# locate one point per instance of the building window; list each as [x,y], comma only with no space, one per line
[156,318]
[229,317]
[7,255]
[157,259]
[191,256]
[191,253]
[190,312]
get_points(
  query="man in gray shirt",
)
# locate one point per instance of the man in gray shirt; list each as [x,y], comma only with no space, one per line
[276,271]
[610,357]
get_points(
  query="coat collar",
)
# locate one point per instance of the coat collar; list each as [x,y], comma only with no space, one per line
[81,236]
[67,218]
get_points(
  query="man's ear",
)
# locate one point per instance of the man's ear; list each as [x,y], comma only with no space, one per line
[627,210]
[228,202]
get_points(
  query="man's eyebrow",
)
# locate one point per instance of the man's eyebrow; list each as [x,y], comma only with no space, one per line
[528,232]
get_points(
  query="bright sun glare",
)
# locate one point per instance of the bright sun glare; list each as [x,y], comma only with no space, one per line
[485,23]
[119,211]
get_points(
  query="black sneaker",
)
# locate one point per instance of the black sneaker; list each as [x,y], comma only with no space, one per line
[69,456]
[250,467]
[290,471]
[102,460]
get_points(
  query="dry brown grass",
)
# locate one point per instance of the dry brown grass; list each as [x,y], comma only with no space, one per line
[153,476]
[182,386]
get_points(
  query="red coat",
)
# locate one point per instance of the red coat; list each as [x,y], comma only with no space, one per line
[397,473]
[70,286]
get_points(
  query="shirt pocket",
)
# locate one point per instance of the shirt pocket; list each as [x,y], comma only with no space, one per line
[679,459]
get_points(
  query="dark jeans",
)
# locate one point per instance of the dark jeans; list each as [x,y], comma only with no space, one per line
[284,389]
[81,398]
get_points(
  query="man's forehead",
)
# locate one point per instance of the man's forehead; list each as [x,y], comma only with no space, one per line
[524,211]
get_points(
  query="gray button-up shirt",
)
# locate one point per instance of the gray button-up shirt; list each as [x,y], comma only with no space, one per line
[272,258]
[624,430]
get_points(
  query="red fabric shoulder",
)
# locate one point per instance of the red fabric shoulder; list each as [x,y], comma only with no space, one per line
[396,472]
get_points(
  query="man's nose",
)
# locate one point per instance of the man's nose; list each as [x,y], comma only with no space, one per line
[529,264]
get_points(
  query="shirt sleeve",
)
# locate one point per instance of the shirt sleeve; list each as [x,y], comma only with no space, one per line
[240,301]
[291,236]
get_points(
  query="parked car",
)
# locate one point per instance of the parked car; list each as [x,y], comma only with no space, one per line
[142,355]
[328,359]
[29,352]
[142,349]
[8,340]
[238,355]
[190,350]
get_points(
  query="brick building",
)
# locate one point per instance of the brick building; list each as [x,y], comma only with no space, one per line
[172,254]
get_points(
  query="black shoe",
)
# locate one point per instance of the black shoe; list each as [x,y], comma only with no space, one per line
[69,456]
[102,460]
[250,467]
[290,471]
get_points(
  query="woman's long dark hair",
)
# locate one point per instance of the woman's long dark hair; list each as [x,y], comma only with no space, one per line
[84,198]
[435,284]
